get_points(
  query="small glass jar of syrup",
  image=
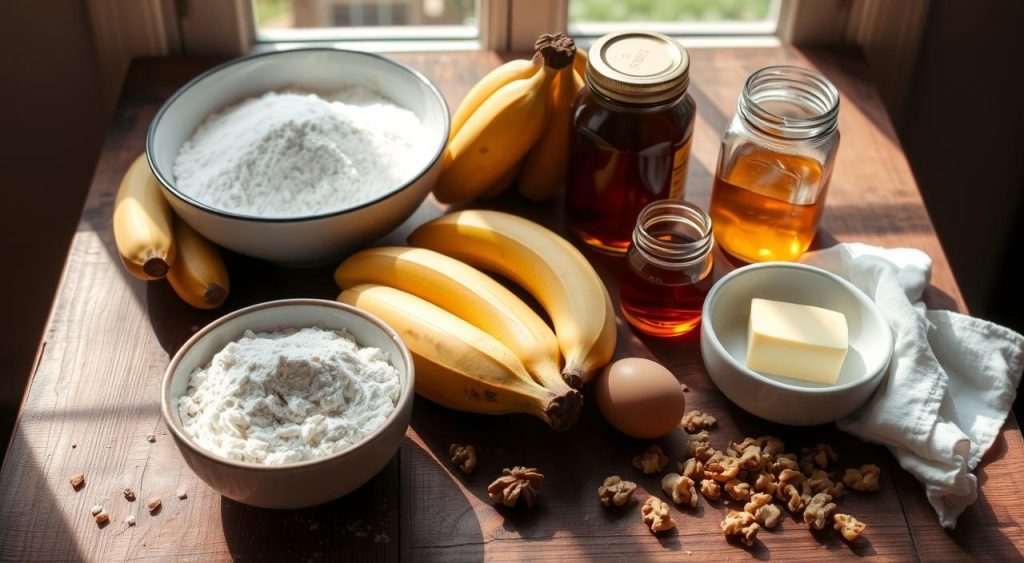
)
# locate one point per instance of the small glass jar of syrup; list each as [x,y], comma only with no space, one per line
[632,126]
[668,269]
[775,164]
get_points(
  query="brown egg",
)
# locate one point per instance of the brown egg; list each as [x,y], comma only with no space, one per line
[640,398]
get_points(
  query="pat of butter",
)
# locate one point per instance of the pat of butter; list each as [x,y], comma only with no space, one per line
[798,341]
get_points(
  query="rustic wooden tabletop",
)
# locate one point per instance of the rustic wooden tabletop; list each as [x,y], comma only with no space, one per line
[93,396]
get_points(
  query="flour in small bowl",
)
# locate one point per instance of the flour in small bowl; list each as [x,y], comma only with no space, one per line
[293,154]
[289,396]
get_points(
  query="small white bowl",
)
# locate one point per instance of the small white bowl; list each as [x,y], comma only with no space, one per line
[789,401]
[307,483]
[317,239]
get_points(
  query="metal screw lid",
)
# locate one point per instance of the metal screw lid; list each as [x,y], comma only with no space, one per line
[638,67]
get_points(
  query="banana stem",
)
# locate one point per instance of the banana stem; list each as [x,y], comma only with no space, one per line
[573,377]
[557,50]
[563,411]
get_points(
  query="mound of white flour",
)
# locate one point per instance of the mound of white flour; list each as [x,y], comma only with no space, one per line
[289,396]
[294,154]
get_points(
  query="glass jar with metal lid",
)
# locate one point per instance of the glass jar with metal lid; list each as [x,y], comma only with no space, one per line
[632,126]
[775,164]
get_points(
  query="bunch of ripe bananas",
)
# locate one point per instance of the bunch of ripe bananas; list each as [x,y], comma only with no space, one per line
[154,243]
[476,346]
[515,123]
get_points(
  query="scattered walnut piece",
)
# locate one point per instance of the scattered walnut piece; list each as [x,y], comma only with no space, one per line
[153,504]
[515,483]
[849,527]
[765,482]
[742,525]
[864,479]
[783,462]
[653,460]
[129,494]
[710,489]
[96,509]
[680,488]
[182,494]
[768,515]
[130,520]
[817,457]
[818,511]
[737,490]
[742,446]
[655,515]
[102,518]
[795,501]
[821,482]
[722,468]
[757,500]
[695,421]
[790,477]
[151,438]
[751,458]
[692,468]
[615,491]
[771,446]
[77,481]
[699,446]
[464,457]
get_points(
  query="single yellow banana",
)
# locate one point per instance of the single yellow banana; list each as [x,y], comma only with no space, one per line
[502,185]
[198,274]
[468,294]
[494,138]
[579,64]
[458,365]
[547,266]
[544,171]
[513,70]
[142,223]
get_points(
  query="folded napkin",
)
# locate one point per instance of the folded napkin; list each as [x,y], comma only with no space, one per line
[951,381]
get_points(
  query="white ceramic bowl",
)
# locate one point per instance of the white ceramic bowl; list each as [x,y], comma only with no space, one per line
[784,400]
[302,240]
[307,483]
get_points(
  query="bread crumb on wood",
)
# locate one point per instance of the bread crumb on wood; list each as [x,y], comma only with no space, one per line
[130,520]
[102,518]
[153,504]
[129,494]
[182,494]
[151,437]
[96,509]
[77,481]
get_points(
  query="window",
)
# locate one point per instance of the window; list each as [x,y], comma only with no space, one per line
[333,20]
[590,18]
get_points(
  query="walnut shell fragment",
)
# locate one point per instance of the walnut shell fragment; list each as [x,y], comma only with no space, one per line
[653,460]
[680,488]
[515,483]
[656,516]
[741,525]
[464,457]
[849,527]
[864,479]
[615,491]
[695,421]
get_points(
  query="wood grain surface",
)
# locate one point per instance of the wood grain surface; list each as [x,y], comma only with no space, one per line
[93,396]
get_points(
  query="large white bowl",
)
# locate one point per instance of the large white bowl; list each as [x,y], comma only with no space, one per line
[307,483]
[302,240]
[789,401]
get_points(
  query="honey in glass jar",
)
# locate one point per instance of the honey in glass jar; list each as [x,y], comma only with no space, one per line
[668,269]
[632,126]
[775,164]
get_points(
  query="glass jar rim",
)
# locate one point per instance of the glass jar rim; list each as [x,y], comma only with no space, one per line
[796,86]
[671,254]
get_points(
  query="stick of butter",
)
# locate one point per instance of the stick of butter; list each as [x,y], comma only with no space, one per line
[798,341]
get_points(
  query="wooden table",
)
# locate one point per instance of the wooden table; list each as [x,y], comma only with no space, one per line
[93,396]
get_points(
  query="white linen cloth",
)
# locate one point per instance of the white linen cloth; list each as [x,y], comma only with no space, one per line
[951,382]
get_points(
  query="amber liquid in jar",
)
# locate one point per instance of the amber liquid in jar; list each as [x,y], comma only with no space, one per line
[667,271]
[767,207]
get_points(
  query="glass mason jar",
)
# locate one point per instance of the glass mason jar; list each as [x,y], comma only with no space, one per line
[775,164]
[668,269]
[632,126]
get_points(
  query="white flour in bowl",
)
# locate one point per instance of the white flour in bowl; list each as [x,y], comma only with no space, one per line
[294,154]
[289,396]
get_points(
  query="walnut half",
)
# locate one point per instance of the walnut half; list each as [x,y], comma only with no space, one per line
[710,489]
[680,488]
[819,510]
[615,491]
[464,457]
[515,483]
[849,527]
[864,479]
[653,460]
[655,515]
[742,525]
[695,421]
